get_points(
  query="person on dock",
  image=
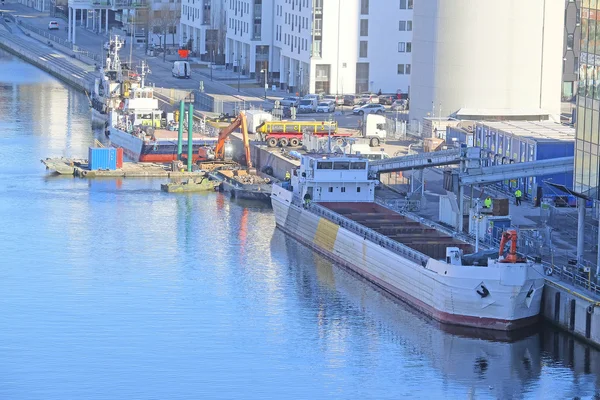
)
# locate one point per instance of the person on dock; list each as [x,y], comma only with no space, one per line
[518,195]
[306,200]
[487,203]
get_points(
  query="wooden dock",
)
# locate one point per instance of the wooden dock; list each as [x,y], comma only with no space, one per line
[79,168]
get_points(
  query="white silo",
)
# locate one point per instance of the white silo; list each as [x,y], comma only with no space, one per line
[487,57]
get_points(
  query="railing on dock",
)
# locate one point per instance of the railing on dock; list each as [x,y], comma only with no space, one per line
[366,233]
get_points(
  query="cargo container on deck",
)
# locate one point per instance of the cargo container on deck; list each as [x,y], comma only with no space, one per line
[102,158]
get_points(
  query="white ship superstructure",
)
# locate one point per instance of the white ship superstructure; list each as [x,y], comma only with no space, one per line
[331,208]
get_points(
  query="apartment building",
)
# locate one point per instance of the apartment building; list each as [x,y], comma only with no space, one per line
[202,28]
[332,46]
[249,38]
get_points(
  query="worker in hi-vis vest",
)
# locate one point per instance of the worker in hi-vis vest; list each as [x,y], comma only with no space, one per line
[487,203]
[518,195]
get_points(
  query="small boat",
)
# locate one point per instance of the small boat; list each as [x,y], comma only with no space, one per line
[192,185]
[242,184]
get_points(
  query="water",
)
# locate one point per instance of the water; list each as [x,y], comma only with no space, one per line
[112,289]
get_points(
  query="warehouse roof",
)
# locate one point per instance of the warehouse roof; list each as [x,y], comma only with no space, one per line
[534,130]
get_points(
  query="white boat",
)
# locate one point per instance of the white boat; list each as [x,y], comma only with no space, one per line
[108,90]
[137,126]
[415,262]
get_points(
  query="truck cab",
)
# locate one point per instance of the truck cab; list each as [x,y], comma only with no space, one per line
[374,129]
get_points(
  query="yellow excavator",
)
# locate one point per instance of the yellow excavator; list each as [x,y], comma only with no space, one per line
[218,155]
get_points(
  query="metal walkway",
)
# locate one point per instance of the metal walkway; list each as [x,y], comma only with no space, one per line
[514,171]
[416,161]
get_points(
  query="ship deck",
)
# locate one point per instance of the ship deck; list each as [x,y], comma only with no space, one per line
[417,236]
[165,134]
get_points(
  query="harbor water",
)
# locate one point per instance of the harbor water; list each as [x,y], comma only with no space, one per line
[112,289]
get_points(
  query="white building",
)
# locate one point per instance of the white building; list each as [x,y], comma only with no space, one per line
[249,35]
[203,27]
[164,22]
[487,59]
[332,46]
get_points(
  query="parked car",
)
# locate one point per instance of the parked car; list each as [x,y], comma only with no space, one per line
[307,105]
[290,102]
[327,106]
[387,99]
[399,105]
[53,25]
[369,109]
[317,97]
[351,100]
[370,98]
[337,99]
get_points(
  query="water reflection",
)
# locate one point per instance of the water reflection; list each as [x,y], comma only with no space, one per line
[484,364]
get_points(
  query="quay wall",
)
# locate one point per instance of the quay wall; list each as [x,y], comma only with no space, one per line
[48,66]
[572,312]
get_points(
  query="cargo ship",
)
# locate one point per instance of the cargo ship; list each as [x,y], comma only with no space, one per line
[138,127]
[332,209]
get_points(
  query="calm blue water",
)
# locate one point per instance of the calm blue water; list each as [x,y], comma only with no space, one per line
[114,290]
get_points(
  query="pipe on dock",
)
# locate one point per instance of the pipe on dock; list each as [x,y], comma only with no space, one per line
[180,133]
[190,137]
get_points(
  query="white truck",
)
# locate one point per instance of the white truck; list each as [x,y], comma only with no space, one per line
[255,118]
[373,129]
[181,69]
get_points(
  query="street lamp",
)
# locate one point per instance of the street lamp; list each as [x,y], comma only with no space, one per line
[264,71]
[239,72]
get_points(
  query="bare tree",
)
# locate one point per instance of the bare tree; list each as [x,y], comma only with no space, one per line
[164,21]
[218,34]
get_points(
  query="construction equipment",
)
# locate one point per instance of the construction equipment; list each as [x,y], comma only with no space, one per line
[289,133]
[512,257]
[239,122]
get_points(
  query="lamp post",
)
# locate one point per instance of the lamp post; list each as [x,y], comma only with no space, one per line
[264,71]
[212,60]
[239,72]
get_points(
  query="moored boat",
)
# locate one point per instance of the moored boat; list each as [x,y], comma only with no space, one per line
[139,127]
[331,208]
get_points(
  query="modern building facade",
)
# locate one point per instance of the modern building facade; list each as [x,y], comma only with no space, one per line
[331,46]
[571,48]
[203,27]
[500,59]
[587,139]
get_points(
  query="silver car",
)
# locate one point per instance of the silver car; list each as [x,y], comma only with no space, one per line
[369,109]
[326,107]
[290,102]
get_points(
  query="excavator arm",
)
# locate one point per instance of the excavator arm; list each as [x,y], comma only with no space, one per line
[239,122]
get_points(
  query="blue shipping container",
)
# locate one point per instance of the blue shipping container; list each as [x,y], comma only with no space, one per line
[102,158]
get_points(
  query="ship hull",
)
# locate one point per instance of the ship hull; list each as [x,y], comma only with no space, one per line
[98,119]
[160,151]
[452,298]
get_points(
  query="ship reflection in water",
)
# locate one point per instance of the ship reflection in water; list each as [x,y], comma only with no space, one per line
[464,362]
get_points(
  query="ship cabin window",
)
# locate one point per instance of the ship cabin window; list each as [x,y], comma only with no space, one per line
[358,189]
[330,189]
[343,189]
[358,165]
[341,165]
[324,165]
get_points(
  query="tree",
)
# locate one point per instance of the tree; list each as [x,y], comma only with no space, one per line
[164,20]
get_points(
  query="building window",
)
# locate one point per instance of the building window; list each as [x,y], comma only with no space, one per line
[330,189]
[400,69]
[408,47]
[364,27]
[409,25]
[403,4]
[343,189]
[570,40]
[362,50]
[358,189]
[410,4]
[364,7]
[401,47]
[407,69]
[402,26]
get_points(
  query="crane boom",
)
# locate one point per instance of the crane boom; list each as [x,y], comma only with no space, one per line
[509,236]
[239,122]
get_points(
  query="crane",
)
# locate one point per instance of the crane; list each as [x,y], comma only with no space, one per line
[239,122]
[509,236]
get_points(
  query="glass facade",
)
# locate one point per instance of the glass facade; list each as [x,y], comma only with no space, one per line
[588,102]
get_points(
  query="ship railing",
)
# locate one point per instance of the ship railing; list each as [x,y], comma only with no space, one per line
[368,233]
